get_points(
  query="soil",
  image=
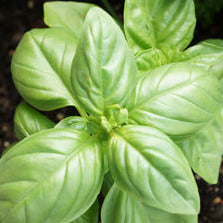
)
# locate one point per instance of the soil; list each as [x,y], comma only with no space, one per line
[18,16]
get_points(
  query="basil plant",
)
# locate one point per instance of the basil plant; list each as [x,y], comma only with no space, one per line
[150,112]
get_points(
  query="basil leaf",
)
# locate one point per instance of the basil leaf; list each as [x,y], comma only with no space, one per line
[8,148]
[208,54]
[68,15]
[52,176]
[41,68]
[149,59]
[179,99]
[119,207]
[141,159]
[172,53]
[28,121]
[204,151]
[91,216]
[152,58]
[73,122]
[155,23]
[103,70]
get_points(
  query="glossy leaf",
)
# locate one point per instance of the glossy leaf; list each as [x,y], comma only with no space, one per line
[204,151]
[68,15]
[8,148]
[121,208]
[179,99]
[73,122]
[41,68]
[154,23]
[103,70]
[91,216]
[51,176]
[28,121]
[208,54]
[145,163]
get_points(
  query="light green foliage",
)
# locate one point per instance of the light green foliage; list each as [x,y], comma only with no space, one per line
[28,121]
[150,111]
[67,15]
[120,207]
[73,122]
[149,59]
[180,101]
[46,177]
[153,23]
[41,71]
[141,158]
[205,149]
[208,54]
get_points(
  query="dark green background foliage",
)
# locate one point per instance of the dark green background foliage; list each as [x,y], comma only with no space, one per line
[206,11]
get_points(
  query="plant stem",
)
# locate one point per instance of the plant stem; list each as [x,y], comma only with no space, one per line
[112,11]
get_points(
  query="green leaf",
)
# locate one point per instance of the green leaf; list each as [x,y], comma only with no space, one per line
[52,176]
[152,58]
[208,54]
[73,122]
[68,15]
[149,59]
[8,148]
[179,99]
[91,216]
[28,121]
[145,163]
[204,151]
[121,208]
[154,23]
[41,68]
[116,115]
[172,53]
[103,70]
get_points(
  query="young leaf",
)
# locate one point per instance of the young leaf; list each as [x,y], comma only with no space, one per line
[91,216]
[204,151]
[52,176]
[68,15]
[149,59]
[153,23]
[172,53]
[208,54]
[41,68]
[177,98]
[28,121]
[141,159]
[73,122]
[120,207]
[103,70]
